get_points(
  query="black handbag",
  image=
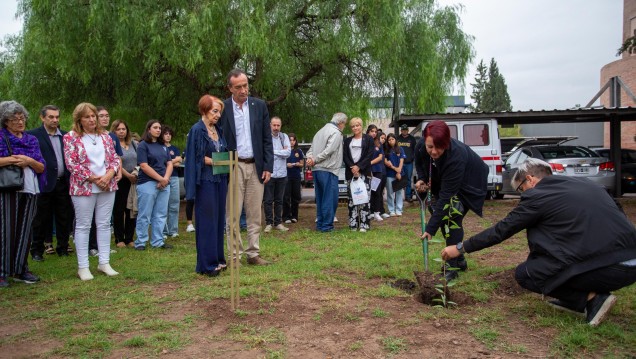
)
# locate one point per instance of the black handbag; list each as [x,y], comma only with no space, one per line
[12,176]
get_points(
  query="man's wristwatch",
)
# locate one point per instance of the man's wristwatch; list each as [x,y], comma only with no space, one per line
[460,248]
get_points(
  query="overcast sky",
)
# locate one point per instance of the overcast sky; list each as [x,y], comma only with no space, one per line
[550,52]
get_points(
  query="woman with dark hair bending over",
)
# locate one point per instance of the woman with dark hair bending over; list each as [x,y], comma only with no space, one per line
[206,137]
[457,177]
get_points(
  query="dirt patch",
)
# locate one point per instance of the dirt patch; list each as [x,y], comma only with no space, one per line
[431,288]
[507,285]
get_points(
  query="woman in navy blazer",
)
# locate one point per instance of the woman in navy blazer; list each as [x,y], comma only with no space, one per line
[207,189]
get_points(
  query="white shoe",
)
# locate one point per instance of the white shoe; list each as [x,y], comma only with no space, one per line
[354,229]
[362,230]
[335,219]
[93,252]
[377,216]
[176,235]
[294,220]
[112,251]
[280,227]
[384,215]
[190,228]
[268,228]
[288,221]
[84,274]
[316,220]
[393,214]
[399,213]
[107,269]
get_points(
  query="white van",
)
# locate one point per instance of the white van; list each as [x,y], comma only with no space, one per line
[483,137]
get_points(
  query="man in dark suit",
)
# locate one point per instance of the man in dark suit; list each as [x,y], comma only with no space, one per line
[246,128]
[582,246]
[53,201]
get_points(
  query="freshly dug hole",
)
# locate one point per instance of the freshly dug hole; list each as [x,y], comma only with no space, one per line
[427,292]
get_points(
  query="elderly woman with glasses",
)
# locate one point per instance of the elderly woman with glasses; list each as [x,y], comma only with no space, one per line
[457,178]
[17,209]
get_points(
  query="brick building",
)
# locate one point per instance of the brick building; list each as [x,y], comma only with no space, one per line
[626,69]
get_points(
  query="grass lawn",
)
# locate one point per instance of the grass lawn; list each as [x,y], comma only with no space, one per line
[324,296]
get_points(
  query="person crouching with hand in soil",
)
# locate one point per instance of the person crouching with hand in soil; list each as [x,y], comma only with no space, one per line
[582,246]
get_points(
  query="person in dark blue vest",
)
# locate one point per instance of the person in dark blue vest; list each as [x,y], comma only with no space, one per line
[53,202]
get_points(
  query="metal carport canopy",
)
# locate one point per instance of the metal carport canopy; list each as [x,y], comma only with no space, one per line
[613,115]
[599,114]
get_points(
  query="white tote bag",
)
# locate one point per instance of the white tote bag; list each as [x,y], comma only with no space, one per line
[359,194]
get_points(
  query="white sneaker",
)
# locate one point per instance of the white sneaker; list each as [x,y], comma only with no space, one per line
[288,221]
[377,216]
[280,227]
[294,220]
[335,219]
[176,235]
[268,228]
[399,213]
[107,269]
[84,274]
[190,228]
[93,252]
[393,214]
[385,215]
[354,229]
[362,230]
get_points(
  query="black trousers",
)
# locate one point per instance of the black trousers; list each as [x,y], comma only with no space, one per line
[189,208]
[377,196]
[53,206]
[291,199]
[274,193]
[123,225]
[575,291]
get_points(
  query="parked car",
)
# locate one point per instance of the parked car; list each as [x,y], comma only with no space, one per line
[307,178]
[628,168]
[575,161]
[342,184]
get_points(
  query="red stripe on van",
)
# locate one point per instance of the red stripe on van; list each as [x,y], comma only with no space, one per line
[493,158]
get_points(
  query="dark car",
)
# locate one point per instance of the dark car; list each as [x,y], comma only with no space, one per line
[575,161]
[628,168]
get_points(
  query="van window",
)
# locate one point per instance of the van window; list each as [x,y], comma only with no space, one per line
[453,131]
[476,135]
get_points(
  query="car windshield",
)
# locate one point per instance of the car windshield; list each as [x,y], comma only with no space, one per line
[551,152]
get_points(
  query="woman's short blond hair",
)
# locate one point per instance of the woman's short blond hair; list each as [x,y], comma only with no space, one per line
[355,120]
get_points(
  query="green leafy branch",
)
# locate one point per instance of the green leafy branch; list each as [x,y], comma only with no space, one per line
[452,211]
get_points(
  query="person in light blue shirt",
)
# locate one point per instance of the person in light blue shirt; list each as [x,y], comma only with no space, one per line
[275,188]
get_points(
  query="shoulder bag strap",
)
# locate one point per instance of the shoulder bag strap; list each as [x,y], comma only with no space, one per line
[6,140]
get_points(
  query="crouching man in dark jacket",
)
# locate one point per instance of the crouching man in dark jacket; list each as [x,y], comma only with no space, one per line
[582,246]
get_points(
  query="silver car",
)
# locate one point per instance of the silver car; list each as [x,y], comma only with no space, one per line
[575,161]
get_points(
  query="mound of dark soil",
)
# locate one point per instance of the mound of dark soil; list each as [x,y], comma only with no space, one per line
[429,295]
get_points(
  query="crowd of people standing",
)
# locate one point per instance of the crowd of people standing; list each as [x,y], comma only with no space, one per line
[108,177]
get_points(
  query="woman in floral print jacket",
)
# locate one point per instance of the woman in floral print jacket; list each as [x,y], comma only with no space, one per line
[90,156]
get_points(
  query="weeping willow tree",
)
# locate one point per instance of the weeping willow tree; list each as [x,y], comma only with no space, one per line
[307,59]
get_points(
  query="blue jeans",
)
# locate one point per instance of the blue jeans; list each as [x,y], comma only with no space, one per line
[153,210]
[172,223]
[408,172]
[394,200]
[326,188]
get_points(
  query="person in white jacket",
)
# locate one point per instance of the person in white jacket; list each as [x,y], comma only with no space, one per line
[325,156]
[275,188]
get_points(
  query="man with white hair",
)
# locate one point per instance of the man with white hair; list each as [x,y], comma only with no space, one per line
[582,246]
[325,156]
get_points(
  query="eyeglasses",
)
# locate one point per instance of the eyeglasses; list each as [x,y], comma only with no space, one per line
[18,119]
[519,189]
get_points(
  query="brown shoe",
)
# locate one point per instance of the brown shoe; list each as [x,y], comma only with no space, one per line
[258,261]
[121,244]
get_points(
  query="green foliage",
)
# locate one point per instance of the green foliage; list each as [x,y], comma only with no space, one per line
[307,59]
[451,211]
[490,92]
[394,345]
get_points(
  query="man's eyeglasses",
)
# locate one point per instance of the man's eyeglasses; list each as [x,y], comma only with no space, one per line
[519,189]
